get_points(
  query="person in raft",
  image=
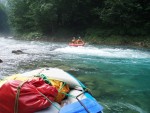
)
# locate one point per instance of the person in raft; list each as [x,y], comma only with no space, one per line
[73,40]
[79,41]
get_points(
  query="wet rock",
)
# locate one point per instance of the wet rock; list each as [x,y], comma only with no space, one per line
[1,61]
[17,52]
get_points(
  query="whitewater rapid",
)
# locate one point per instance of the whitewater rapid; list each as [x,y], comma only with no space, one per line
[121,66]
[105,52]
[37,50]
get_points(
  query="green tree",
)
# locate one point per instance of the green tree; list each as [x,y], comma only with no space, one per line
[123,17]
[18,10]
[126,15]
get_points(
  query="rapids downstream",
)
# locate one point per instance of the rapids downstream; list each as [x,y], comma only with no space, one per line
[118,76]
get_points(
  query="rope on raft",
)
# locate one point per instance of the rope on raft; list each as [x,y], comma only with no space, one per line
[85,89]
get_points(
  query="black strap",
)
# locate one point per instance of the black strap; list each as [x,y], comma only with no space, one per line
[82,103]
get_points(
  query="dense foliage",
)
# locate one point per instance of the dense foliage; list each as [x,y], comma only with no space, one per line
[108,17]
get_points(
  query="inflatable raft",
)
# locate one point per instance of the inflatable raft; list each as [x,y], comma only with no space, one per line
[77,98]
[76,45]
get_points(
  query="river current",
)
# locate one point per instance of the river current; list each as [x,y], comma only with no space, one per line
[118,76]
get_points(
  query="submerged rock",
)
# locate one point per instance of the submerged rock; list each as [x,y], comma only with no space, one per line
[17,51]
[1,61]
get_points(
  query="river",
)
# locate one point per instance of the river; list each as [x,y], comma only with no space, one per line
[118,76]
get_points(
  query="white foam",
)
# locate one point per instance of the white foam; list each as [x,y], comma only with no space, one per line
[105,52]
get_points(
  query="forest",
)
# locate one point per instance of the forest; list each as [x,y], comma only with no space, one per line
[98,21]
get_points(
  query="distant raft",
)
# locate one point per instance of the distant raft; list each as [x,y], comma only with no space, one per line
[76,45]
[46,90]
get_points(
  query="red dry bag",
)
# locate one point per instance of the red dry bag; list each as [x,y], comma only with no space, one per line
[32,96]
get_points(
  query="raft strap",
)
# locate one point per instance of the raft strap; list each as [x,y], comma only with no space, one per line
[49,100]
[17,97]
[82,103]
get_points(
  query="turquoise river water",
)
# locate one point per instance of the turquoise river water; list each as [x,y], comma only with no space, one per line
[118,76]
